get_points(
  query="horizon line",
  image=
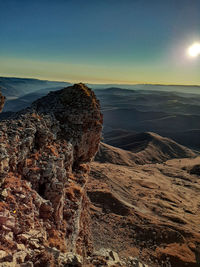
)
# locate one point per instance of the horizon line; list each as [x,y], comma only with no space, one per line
[100,83]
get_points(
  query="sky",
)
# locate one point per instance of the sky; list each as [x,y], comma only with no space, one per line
[100,41]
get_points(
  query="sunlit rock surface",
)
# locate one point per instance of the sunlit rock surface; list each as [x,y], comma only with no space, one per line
[45,152]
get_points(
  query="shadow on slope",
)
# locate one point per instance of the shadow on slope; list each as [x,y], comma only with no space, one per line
[160,224]
[142,148]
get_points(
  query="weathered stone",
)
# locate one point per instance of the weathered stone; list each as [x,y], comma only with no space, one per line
[34,244]
[20,247]
[37,234]
[2,101]
[2,254]
[45,210]
[9,236]
[10,223]
[19,256]
[5,228]
[24,237]
[114,256]
[42,151]
[27,264]
[8,258]
[4,216]
[73,259]
[8,264]
[102,252]
[4,193]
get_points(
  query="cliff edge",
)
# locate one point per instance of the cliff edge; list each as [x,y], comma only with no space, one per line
[45,152]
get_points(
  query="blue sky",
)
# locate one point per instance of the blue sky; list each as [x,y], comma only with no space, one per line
[111,41]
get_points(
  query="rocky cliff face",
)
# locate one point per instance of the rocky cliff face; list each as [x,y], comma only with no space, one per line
[44,156]
[2,101]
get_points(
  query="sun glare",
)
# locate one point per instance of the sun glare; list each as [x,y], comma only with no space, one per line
[194,50]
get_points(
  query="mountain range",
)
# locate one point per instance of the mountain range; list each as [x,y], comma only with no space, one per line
[84,185]
[166,110]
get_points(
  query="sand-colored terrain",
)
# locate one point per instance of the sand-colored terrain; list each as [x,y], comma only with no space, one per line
[150,210]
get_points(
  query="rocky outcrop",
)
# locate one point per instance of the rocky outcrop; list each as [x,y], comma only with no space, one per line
[2,101]
[195,170]
[44,156]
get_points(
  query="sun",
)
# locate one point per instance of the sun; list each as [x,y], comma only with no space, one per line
[194,50]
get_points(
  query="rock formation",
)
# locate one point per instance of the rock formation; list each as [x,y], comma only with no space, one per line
[44,156]
[2,101]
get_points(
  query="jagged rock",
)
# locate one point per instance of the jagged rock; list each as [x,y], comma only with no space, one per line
[7,258]
[4,193]
[46,211]
[114,256]
[9,235]
[110,256]
[134,262]
[2,254]
[2,101]
[142,264]
[23,237]
[27,264]
[6,219]
[3,217]
[21,247]
[44,155]
[73,260]
[19,257]
[8,264]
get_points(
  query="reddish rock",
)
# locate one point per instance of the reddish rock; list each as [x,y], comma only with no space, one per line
[44,155]
[2,101]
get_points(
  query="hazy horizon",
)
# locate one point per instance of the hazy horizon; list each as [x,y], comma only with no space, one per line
[87,82]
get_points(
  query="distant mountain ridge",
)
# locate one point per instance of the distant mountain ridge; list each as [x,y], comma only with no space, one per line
[27,99]
[169,110]
[194,89]
[15,87]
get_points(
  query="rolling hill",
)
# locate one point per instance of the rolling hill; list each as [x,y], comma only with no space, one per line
[142,148]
